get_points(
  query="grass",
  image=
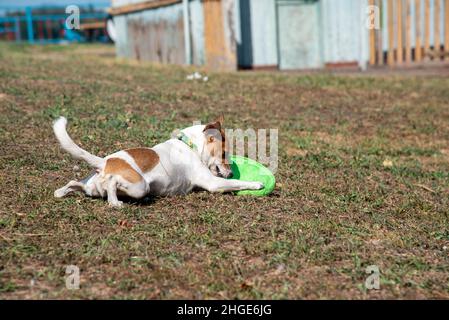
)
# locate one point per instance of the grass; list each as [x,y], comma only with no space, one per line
[336,210]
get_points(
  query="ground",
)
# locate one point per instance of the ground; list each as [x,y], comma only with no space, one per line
[362,180]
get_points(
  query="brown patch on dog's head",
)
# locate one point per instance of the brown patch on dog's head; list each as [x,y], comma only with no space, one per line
[217,146]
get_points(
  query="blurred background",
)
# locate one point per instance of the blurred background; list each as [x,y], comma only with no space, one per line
[43,21]
[246,34]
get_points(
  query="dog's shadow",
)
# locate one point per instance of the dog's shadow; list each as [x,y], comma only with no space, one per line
[145,202]
[149,200]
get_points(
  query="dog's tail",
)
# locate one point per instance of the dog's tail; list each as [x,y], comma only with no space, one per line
[59,127]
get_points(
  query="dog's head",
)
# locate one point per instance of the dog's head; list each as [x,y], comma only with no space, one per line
[216,148]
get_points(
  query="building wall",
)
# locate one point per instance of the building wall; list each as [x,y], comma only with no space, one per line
[342,35]
[197,32]
[121,43]
[250,28]
[343,31]
[153,35]
[257,40]
[299,34]
[158,34]
[117,3]
[220,34]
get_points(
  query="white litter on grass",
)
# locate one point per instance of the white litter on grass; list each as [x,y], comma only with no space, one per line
[387,163]
[197,76]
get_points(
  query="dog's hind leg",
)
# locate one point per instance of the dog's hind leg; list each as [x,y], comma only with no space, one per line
[70,187]
[112,192]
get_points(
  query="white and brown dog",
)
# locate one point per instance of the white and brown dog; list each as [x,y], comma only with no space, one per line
[196,158]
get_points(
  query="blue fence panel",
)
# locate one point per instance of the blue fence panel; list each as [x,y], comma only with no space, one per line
[22,25]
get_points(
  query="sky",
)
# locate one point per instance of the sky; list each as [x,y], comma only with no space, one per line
[23,3]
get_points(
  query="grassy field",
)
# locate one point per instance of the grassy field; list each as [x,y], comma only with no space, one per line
[363,180]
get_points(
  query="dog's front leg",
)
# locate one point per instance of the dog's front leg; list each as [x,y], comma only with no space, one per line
[212,183]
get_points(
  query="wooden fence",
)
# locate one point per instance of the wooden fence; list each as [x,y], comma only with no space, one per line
[410,32]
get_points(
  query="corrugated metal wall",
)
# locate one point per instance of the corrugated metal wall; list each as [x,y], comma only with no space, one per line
[116,3]
[220,34]
[344,34]
[299,36]
[250,25]
[341,32]
[154,35]
[158,34]
[197,32]
[257,42]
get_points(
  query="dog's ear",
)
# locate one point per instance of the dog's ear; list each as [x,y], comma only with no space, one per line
[220,119]
[213,126]
[212,130]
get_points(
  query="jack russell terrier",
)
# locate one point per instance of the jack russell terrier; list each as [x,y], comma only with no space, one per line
[196,158]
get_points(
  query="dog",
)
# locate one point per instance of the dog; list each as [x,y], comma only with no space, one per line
[196,158]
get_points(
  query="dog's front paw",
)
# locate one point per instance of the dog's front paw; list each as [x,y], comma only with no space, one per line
[256,185]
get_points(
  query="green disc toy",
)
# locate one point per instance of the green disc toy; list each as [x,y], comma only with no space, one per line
[249,170]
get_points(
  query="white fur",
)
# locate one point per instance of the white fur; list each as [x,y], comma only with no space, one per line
[179,171]
[59,127]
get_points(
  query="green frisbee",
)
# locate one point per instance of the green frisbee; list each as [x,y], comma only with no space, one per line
[249,170]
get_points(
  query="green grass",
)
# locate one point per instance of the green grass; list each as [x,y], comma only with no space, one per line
[336,209]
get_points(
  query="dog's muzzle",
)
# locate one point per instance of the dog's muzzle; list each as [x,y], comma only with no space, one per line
[227,174]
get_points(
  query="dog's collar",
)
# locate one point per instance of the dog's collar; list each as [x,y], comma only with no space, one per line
[182,136]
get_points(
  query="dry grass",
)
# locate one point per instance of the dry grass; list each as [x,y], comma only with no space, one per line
[336,210]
